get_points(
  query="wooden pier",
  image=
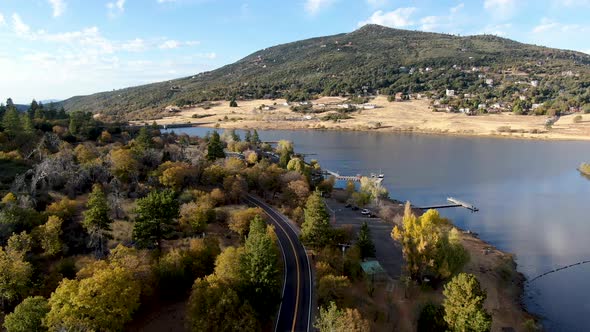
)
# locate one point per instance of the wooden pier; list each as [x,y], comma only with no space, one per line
[455,203]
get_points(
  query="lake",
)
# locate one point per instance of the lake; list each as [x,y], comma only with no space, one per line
[532,200]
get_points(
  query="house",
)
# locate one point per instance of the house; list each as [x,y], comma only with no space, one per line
[489,81]
[399,96]
[267,108]
[369,106]
[467,95]
[450,93]
[428,69]
[172,109]
[523,98]
[482,106]
[535,83]
[344,106]
[535,106]
[481,76]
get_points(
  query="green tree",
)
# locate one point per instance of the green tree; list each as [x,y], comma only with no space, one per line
[143,140]
[364,242]
[27,125]
[463,305]
[248,136]
[11,121]
[255,138]
[260,269]
[155,218]
[50,236]
[96,219]
[316,229]
[28,316]
[233,103]
[215,147]
[104,301]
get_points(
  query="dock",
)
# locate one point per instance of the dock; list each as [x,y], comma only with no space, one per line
[353,178]
[455,203]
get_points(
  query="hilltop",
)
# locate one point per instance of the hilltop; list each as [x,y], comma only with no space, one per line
[373,59]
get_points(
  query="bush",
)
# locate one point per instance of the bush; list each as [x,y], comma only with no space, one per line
[28,316]
[577,119]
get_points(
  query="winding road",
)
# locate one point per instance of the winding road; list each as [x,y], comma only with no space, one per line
[296,304]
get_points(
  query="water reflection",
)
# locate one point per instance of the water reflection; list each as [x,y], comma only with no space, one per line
[532,200]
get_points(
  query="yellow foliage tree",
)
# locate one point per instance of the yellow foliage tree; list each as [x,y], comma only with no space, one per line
[49,236]
[123,164]
[103,302]
[239,221]
[9,198]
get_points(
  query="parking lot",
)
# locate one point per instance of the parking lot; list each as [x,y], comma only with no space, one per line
[388,252]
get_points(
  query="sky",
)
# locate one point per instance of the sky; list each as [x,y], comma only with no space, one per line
[55,49]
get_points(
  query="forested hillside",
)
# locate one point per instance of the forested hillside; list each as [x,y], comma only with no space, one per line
[369,60]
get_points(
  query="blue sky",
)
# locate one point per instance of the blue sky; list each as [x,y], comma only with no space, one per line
[61,48]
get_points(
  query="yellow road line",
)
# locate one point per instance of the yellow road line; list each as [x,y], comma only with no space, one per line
[298,269]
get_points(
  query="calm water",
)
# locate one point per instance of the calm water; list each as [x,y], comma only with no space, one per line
[532,200]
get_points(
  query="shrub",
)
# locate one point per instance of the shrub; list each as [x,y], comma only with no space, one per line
[577,119]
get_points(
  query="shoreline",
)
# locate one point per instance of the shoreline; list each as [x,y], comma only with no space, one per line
[381,131]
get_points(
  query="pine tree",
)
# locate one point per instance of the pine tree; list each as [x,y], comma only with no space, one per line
[155,216]
[215,147]
[11,121]
[97,221]
[255,138]
[248,136]
[144,139]
[463,305]
[233,103]
[316,229]
[27,125]
[365,243]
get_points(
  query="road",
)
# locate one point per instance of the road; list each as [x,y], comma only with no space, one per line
[296,304]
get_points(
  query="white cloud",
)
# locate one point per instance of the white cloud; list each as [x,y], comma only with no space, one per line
[2,21]
[398,18]
[19,26]
[313,7]
[116,8]
[550,26]
[165,1]
[457,8]
[502,9]
[586,51]
[545,25]
[171,44]
[59,6]
[135,45]
[572,3]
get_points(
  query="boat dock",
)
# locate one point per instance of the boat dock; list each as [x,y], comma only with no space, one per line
[353,178]
[455,203]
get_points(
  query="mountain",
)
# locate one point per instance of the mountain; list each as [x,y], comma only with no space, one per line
[372,58]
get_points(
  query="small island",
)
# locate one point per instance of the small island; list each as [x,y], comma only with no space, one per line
[585,169]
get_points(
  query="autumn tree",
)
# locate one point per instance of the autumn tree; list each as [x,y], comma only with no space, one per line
[332,288]
[239,220]
[332,319]
[316,229]
[260,268]
[364,242]
[28,316]
[463,305]
[215,306]
[215,147]
[15,273]
[104,301]
[427,247]
[285,150]
[194,216]
[50,236]
[123,164]
[65,208]
[155,217]
[96,219]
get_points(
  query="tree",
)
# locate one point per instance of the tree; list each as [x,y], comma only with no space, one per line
[104,301]
[155,217]
[195,217]
[11,122]
[233,103]
[255,138]
[143,140]
[332,319]
[427,247]
[215,306]
[248,136]
[332,288]
[260,269]
[28,316]
[239,221]
[123,164]
[96,219]
[463,304]
[15,275]
[364,242]
[285,150]
[215,147]
[50,236]
[316,229]
[227,266]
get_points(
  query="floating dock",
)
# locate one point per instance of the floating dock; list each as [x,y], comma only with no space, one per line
[455,203]
[353,178]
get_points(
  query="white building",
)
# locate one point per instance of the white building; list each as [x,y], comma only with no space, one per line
[450,93]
